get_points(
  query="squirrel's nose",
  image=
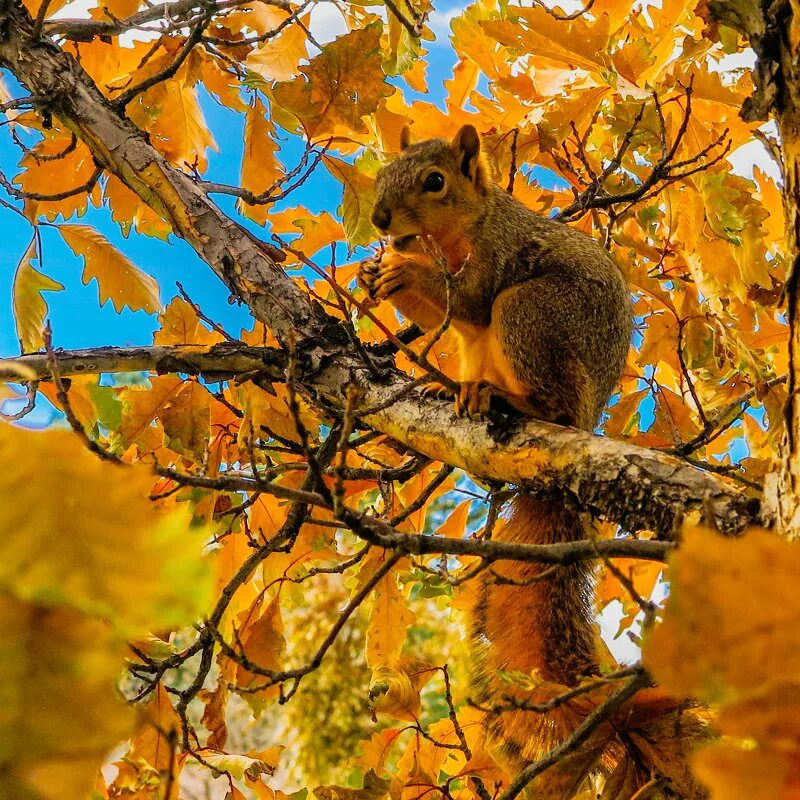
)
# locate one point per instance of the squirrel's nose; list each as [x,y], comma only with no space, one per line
[381,217]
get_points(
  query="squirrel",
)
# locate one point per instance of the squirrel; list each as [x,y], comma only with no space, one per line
[542,320]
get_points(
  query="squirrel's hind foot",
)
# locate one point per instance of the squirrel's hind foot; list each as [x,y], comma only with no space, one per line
[474,398]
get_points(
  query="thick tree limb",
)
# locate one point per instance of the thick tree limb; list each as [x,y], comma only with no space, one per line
[219,361]
[636,487]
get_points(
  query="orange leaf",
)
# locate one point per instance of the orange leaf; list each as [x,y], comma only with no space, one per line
[278,59]
[342,84]
[181,325]
[263,644]
[117,277]
[714,642]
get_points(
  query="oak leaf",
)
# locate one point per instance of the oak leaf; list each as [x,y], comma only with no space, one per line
[118,279]
[576,43]
[374,788]
[339,86]
[180,324]
[186,417]
[261,168]
[358,197]
[170,112]
[389,621]
[278,58]
[261,634]
[395,687]
[75,168]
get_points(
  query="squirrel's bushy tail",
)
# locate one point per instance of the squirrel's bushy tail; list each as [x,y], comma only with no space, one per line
[529,617]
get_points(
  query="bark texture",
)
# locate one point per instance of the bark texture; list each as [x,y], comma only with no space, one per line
[218,362]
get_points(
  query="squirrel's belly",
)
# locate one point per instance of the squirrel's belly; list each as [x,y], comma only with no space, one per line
[481,358]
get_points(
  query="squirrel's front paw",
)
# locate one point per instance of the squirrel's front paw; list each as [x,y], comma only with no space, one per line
[381,278]
[368,272]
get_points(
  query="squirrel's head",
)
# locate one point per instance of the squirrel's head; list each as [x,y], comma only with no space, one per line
[434,188]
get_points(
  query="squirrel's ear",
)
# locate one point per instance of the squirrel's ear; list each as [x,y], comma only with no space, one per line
[405,137]
[472,164]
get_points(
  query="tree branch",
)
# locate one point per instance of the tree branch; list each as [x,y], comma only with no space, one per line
[220,361]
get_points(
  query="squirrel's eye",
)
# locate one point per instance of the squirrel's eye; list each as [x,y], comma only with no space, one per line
[434,182]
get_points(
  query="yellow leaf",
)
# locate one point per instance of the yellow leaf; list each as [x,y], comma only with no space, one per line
[260,166]
[669,21]
[117,277]
[221,83]
[143,404]
[461,85]
[374,788]
[115,9]
[660,341]
[394,688]
[30,308]
[118,557]
[643,575]
[278,59]
[59,709]
[623,415]
[455,525]
[409,492]
[128,209]
[376,750]
[235,549]
[51,177]
[341,85]
[715,642]
[771,716]
[213,719]
[242,766]
[266,413]
[157,736]
[33,6]
[389,621]
[181,325]
[170,112]
[577,43]
[318,232]
[80,397]
[736,773]
[471,42]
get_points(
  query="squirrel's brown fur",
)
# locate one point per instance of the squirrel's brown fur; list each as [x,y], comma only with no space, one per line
[542,319]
